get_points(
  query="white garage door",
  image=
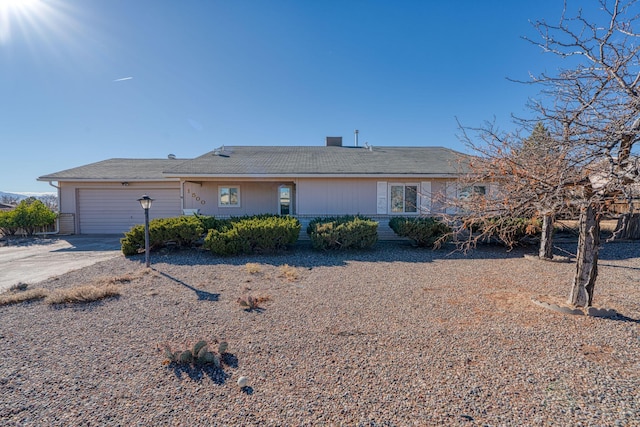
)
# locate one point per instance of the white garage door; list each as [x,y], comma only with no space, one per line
[114,211]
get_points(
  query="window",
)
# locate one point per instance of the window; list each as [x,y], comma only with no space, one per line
[229,197]
[404,198]
[475,190]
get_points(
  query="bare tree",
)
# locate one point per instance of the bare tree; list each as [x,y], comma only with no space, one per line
[591,110]
[9,200]
[529,179]
[597,103]
[50,201]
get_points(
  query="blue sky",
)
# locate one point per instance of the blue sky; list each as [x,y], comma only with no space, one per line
[83,81]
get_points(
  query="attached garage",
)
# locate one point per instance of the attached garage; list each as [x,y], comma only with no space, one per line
[114,211]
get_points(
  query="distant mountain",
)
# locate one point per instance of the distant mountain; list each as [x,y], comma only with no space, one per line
[4,194]
[21,196]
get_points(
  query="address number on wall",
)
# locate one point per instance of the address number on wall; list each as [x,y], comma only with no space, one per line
[198,198]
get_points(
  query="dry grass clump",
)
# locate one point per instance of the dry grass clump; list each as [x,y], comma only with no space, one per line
[19,293]
[253,268]
[81,294]
[125,278]
[288,272]
[101,288]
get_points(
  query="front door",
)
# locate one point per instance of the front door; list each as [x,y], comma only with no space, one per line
[284,200]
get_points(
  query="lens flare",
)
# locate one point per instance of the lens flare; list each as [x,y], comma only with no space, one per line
[16,15]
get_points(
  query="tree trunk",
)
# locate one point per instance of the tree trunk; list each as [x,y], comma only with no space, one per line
[628,227]
[546,238]
[584,280]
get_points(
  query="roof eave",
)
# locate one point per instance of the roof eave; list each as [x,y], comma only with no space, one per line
[320,175]
[63,179]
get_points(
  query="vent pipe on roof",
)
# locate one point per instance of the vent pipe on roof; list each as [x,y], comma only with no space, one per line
[334,141]
[356,136]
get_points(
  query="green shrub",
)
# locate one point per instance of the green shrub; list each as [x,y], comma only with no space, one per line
[29,216]
[183,231]
[7,224]
[343,232]
[423,231]
[213,223]
[250,235]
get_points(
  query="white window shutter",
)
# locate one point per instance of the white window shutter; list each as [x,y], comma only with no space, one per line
[425,197]
[382,198]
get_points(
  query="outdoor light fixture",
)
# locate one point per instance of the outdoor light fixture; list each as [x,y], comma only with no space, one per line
[145,202]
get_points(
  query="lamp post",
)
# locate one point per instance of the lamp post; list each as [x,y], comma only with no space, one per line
[145,202]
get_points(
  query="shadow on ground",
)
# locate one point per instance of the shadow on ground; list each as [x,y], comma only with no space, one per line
[303,255]
[202,295]
[197,373]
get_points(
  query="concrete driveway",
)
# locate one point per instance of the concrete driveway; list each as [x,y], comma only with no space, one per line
[35,259]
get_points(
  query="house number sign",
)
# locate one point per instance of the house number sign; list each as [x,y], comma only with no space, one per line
[198,198]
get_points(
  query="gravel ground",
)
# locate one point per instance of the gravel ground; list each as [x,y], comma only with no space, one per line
[395,336]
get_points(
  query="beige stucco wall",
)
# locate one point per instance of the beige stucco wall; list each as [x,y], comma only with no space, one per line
[312,196]
[352,196]
[255,197]
[336,196]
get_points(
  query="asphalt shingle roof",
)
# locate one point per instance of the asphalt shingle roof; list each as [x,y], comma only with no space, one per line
[276,161]
[116,169]
[282,160]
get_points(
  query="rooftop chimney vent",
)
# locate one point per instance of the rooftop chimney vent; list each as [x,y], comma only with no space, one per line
[334,141]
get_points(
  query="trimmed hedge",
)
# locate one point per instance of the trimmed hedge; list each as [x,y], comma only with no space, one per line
[211,222]
[253,235]
[183,231]
[423,231]
[343,232]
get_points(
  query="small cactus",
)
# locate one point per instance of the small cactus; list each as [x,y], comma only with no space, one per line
[186,356]
[217,361]
[199,354]
[197,347]
[169,354]
[250,302]
[204,350]
[206,358]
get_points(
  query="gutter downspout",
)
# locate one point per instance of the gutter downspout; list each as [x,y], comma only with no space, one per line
[57,230]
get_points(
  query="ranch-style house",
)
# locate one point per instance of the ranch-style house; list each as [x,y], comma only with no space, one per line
[302,181]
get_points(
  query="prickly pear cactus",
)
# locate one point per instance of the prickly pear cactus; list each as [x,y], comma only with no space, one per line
[186,356]
[206,358]
[204,350]
[169,354]
[222,347]
[199,346]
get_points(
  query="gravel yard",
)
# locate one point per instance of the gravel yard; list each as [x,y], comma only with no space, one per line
[395,336]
